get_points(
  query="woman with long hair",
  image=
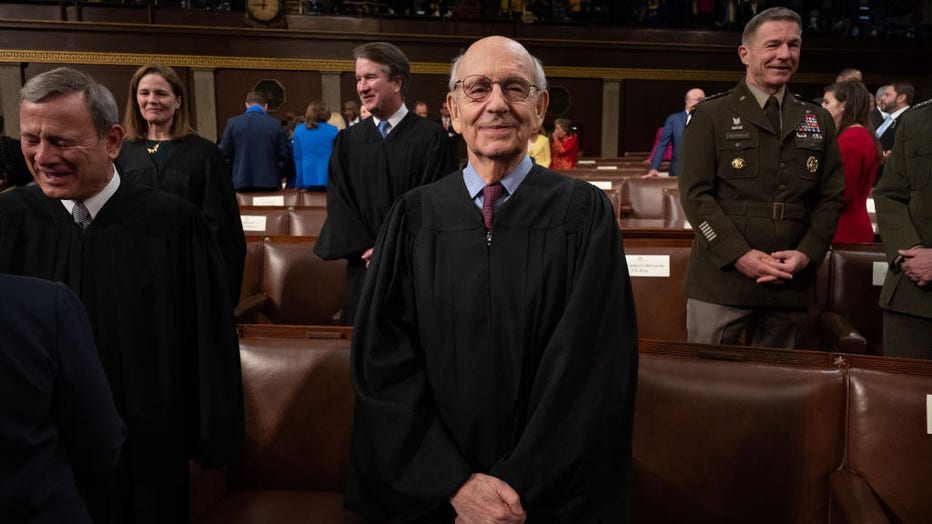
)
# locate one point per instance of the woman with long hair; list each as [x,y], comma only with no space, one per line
[162,150]
[312,145]
[849,104]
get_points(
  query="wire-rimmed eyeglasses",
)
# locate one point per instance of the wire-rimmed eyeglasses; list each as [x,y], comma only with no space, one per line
[478,87]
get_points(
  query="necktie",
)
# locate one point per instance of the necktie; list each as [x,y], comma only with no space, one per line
[884,125]
[772,109]
[490,194]
[82,217]
[384,126]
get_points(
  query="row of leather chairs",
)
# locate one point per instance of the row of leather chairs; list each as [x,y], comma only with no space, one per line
[283,220]
[846,316]
[285,197]
[721,434]
[284,282]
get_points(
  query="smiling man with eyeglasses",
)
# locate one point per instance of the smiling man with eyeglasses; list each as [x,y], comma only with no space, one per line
[495,352]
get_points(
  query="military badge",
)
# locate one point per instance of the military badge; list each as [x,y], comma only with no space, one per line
[810,124]
[812,164]
[738,163]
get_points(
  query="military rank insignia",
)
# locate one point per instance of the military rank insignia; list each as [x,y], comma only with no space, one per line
[738,163]
[810,124]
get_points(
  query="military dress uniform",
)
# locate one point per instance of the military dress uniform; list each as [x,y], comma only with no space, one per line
[904,217]
[745,185]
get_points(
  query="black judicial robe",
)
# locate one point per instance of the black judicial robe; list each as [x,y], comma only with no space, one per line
[150,276]
[367,174]
[195,169]
[515,357]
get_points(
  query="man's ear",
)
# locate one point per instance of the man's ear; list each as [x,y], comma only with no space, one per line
[543,101]
[743,52]
[114,140]
[454,113]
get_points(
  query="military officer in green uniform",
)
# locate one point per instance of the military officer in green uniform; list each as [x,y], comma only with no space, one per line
[904,216]
[761,182]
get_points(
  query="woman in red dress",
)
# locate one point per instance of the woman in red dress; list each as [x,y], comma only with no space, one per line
[849,104]
[564,147]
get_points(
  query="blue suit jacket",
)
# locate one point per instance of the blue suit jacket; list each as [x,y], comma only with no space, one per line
[672,130]
[258,148]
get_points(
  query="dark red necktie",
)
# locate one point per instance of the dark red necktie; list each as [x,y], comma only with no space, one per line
[490,194]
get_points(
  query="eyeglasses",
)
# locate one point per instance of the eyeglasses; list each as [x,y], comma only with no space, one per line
[478,87]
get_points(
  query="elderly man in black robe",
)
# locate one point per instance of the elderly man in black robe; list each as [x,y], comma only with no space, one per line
[150,274]
[495,350]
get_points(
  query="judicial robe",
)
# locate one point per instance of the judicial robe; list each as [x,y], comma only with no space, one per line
[194,168]
[149,274]
[513,354]
[368,173]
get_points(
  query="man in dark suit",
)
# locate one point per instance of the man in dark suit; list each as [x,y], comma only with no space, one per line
[258,147]
[897,97]
[904,198]
[58,423]
[762,183]
[673,133]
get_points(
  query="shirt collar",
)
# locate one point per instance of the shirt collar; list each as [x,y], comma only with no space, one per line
[255,109]
[95,203]
[394,120]
[762,97]
[896,114]
[511,181]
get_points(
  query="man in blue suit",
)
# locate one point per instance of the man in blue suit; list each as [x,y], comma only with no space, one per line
[257,146]
[673,130]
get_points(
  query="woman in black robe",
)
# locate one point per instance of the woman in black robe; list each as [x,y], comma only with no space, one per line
[162,150]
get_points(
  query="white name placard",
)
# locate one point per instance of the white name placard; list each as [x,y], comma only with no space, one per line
[607,168]
[880,273]
[648,265]
[273,200]
[585,162]
[253,222]
[602,184]
[870,206]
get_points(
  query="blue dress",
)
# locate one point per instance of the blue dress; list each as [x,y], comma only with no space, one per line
[312,149]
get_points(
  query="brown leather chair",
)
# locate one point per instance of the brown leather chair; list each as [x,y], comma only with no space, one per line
[262,220]
[888,473]
[718,440]
[297,286]
[853,320]
[660,301]
[251,291]
[298,401]
[307,221]
[673,214]
[645,196]
[314,198]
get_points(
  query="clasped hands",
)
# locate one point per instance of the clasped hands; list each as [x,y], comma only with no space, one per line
[917,264]
[775,267]
[484,499]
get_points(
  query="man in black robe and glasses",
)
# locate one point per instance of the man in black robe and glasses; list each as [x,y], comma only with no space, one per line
[495,350]
[149,273]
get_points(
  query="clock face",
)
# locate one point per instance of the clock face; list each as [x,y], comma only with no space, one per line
[263,10]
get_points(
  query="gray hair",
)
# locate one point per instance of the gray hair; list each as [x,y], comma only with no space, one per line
[539,78]
[64,81]
[769,15]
